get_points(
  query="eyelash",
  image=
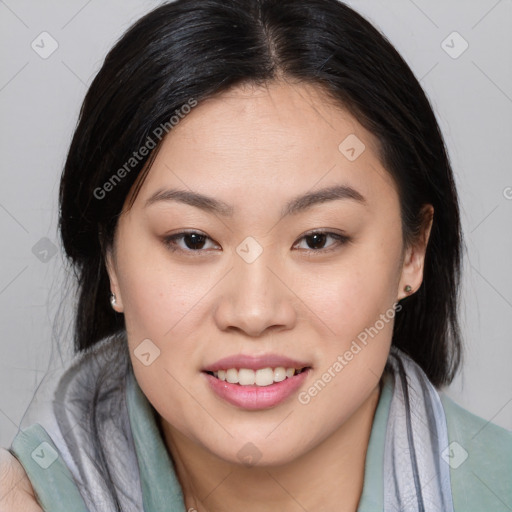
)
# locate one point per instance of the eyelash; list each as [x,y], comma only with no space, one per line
[170,242]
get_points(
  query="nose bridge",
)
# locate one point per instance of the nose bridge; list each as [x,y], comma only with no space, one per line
[251,263]
[254,279]
[254,298]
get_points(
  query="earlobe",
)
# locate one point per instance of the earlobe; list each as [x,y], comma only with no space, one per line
[414,261]
[411,277]
[115,294]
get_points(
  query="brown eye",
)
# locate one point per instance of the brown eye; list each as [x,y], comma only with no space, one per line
[316,241]
[187,241]
[194,241]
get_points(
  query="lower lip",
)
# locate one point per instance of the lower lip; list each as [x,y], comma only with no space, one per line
[256,397]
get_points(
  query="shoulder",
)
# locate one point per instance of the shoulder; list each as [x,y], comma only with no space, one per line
[16,492]
[45,469]
[474,430]
[480,457]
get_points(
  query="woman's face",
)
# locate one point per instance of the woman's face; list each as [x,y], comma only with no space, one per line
[252,173]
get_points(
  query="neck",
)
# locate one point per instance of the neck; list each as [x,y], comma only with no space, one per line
[328,477]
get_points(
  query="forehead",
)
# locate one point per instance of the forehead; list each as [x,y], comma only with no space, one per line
[279,138]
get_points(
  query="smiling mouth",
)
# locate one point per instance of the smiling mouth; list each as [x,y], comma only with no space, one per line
[262,377]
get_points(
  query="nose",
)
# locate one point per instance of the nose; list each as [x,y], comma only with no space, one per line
[255,297]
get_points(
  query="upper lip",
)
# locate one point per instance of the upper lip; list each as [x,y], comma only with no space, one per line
[255,362]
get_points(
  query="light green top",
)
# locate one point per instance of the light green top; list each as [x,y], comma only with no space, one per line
[482,481]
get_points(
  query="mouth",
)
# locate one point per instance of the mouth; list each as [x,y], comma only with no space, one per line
[256,382]
[256,389]
[261,377]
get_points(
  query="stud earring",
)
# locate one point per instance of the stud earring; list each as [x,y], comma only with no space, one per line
[113,299]
[407,288]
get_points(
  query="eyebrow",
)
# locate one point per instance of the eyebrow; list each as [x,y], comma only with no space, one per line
[296,205]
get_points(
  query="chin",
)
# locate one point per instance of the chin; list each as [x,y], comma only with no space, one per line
[257,453]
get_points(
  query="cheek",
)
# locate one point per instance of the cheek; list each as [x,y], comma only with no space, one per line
[161,303]
[158,308]
[350,296]
[146,308]
[156,294]
[358,308]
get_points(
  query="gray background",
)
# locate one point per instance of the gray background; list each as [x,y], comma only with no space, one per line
[39,103]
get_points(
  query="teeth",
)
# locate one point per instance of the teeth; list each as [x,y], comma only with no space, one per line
[246,377]
[280,374]
[232,376]
[264,377]
[261,377]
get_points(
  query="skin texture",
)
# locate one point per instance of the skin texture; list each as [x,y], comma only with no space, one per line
[16,492]
[256,148]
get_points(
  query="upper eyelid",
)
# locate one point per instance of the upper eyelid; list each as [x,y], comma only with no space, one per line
[338,236]
[182,234]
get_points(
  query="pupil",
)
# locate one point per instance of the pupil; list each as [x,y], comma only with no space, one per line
[318,240]
[197,241]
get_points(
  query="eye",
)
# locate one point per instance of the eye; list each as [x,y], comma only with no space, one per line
[192,241]
[196,242]
[316,241]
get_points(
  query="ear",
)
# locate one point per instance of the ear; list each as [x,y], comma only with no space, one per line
[114,283]
[414,259]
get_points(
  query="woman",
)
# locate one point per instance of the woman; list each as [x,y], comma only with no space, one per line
[263,220]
